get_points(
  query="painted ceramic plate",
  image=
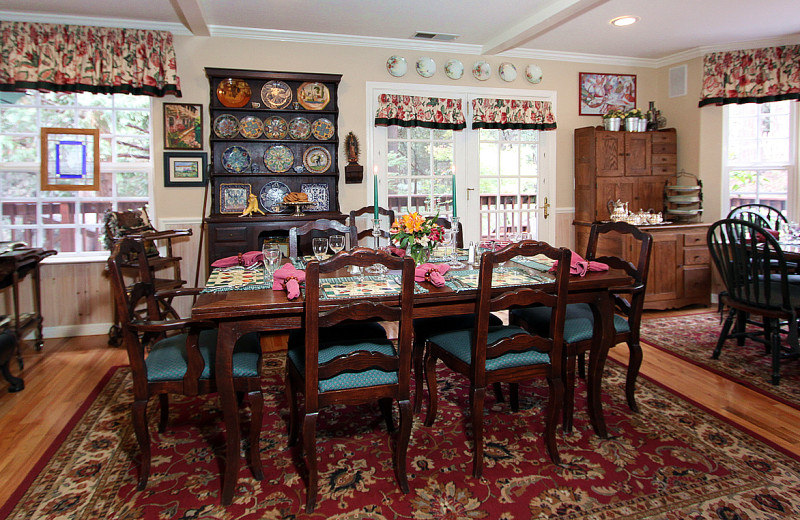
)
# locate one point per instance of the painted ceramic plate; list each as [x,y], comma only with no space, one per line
[322,129]
[251,127]
[271,196]
[278,158]
[533,73]
[233,92]
[235,159]
[317,159]
[299,128]
[226,126]
[454,69]
[275,127]
[481,70]
[426,67]
[276,94]
[318,195]
[507,71]
[397,66]
[313,95]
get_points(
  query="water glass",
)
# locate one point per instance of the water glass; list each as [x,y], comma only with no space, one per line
[320,247]
[336,243]
[272,256]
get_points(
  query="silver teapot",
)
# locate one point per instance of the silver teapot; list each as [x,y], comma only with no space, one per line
[618,210]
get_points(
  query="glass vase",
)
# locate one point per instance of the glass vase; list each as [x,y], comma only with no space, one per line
[420,254]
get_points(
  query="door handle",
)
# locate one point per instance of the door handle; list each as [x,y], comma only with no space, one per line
[469,190]
[546,208]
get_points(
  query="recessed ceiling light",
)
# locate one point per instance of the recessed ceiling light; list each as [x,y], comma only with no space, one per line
[622,21]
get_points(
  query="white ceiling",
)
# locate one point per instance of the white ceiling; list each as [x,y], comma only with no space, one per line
[560,29]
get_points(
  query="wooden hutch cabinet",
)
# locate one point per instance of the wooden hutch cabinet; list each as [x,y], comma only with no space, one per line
[634,167]
[270,133]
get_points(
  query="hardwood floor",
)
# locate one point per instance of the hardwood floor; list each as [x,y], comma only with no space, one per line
[59,379]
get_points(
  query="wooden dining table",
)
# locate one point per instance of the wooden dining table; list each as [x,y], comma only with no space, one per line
[238,312]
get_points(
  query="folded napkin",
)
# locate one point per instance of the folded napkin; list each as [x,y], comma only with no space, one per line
[773,232]
[579,266]
[396,251]
[242,259]
[433,273]
[288,277]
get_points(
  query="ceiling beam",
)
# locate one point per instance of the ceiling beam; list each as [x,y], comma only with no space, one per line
[191,15]
[549,16]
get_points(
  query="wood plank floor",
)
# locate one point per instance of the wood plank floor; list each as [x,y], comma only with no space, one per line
[58,380]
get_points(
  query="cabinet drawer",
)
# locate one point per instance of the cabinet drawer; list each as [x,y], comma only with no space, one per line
[694,239]
[697,282]
[696,256]
[664,158]
[665,148]
[666,169]
[664,137]
[230,233]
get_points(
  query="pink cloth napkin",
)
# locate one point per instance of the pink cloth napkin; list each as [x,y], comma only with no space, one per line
[397,251]
[243,259]
[579,266]
[433,273]
[288,277]
[773,232]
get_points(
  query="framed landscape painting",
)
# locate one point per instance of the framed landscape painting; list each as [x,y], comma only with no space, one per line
[600,93]
[185,168]
[183,126]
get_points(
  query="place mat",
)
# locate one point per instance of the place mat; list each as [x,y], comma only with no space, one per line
[237,279]
[356,287]
[538,262]
[467,279]
[440,257]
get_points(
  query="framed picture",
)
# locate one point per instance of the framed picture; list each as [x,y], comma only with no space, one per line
[70,159]
[233,197]
[183,126]
[603,92]
[185,168]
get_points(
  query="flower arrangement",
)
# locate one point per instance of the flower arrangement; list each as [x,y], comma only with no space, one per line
[634,112]
[417,235]
[614,113]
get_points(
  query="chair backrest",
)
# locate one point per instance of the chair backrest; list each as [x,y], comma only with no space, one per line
[490,300]
[772,216]
[300,237]
[751,264]
[445,223]
[398,308]
[367,231]
[119,224]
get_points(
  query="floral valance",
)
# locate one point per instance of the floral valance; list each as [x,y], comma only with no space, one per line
[76,58]
[427,112]
[512,113]
[751,76]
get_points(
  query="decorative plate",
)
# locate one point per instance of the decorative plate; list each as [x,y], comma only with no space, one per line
[426,67]
[235,159]
[318,195]
[276,94]
[507,71]
[275,127]
[481,70]
[233,197]
[313,95]
[233,92]
[322,129]
[317,159]
[271,196]
[397,66]
[533,73]
[251,127]
[226,126]
[299,128]
[454,69]
[278,158]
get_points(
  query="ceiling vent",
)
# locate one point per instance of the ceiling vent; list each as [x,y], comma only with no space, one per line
[442,37]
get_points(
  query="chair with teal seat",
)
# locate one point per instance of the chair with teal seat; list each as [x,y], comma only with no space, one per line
[580,327]
[488,354]
[338,358]
[181,354]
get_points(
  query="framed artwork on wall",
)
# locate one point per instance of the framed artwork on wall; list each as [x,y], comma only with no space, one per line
[600,93]
[185,168]
[183,126]
[70,159]
[233,197]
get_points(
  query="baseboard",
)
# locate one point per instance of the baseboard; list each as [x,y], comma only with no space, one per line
[70,331]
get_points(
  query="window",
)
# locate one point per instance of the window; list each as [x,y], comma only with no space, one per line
[760,156]
[71,221]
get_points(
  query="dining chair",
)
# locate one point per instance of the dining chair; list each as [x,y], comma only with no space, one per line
[756,278]
[505,353]
[181,354]
[773,217]
[330,362]
[366,233]
[581,328]
[300,237]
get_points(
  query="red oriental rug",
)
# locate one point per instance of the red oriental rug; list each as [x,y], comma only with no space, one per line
[670,461]
[692,337]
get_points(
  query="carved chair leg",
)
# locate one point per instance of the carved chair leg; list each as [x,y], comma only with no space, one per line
[294,413]
[163,404]
[513,392]
[569,393]
[15,384]
[419,374]
[401,450]
[139,417]
[386,410]
[498,392]
[723,335]
[310,446]
[430,378]
[582,366]
[477,396]
[634,363]
[551,419]
[775,343]
[256,400]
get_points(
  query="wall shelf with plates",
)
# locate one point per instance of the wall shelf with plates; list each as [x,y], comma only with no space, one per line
[271,133]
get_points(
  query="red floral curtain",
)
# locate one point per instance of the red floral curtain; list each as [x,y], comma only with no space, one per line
[76,58]
[426,112]
[512,113]
[751,76]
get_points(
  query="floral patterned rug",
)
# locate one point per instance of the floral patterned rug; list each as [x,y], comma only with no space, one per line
[669,461]
[693,337]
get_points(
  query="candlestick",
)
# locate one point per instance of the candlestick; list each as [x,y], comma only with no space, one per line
[455,213]
[375,196]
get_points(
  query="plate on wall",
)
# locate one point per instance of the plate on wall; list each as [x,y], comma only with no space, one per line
[271,196]
[278,158]
[233,92]
[322,129]
[226,126]
[507,71]
[233,197]
[276,94]
[275,127]
[397,66]
[481,70]
[313,95]
[454,69]
[318,195]
[235,159]
[533,73]
[317,159]
[426,67]
[299,128]
[251,127]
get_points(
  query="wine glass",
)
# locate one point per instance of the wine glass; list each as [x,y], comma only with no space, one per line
[501,266]
[320,247]
[450,237]
[336,243]
[272,255]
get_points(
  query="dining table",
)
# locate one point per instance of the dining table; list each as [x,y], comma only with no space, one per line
[244,308]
